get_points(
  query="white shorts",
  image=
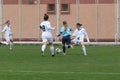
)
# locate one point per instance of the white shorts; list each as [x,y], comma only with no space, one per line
[50,40]
[8,38]
[47,38]
[78,40]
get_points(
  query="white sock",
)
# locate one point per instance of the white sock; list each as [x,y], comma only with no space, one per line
[43,47]
[84,50]
[11,45]
[52,50]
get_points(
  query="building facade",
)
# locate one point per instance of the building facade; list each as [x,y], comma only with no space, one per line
[97,16]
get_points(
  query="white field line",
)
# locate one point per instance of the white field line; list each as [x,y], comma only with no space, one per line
[64,72]
[91,43]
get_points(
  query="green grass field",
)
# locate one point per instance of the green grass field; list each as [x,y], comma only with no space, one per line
[25,62]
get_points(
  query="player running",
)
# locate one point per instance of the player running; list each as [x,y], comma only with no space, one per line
[79,35]
[65,32]
[8,34]
[47,37]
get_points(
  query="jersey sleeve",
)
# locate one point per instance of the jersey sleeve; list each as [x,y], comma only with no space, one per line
[4,29]
[49,26]
[62,30]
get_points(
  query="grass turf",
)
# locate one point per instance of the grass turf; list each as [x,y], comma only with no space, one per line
[25,62]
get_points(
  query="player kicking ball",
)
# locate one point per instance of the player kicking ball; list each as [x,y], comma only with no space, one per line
[65,32]
[78,37]
[8,34]
[47,37]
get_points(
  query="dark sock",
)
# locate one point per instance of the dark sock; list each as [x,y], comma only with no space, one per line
[69,46]
[64,49]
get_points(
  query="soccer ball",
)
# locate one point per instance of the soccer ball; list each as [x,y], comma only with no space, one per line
[58,50]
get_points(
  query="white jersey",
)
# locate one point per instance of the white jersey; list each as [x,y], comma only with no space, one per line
[80,34]
[7,30]
[46,28]
[8,33]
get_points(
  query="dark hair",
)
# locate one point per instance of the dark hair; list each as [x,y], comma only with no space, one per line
[78,24]
[64,22]
[7,21]
[46,17]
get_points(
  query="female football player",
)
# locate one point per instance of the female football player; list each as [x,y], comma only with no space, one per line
[79,35]
[47,37]
[65,32]
[8,34]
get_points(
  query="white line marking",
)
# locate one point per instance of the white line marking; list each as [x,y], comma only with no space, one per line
[65,72]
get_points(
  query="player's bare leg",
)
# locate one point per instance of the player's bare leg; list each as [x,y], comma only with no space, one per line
[11,44]
[83,48]
[71,45]
[72,42]
[52,49]
[43,47]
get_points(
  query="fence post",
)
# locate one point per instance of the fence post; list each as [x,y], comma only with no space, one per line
[38,17]
[1,17]
[78,10]
[97,20]
[57,16]
[118,20]
[20,19]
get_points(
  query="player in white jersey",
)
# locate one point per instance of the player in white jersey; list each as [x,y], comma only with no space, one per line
[47,37]
[8,34]
[79,35]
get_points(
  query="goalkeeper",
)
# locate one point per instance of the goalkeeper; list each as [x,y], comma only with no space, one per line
[65,32]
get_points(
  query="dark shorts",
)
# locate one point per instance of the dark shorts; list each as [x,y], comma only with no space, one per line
[66,40]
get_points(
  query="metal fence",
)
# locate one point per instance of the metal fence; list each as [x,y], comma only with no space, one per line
[117,35]
[25,19]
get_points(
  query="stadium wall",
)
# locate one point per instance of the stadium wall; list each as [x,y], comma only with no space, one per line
[29,27]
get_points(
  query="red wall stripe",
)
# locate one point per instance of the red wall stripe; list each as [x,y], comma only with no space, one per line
[62,1]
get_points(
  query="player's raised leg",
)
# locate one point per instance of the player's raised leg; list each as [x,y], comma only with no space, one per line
[4,43]
[84,48]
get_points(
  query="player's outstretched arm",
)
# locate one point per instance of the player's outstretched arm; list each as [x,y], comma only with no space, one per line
[52,28]
[60,33]
[86,35]
[3,30]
